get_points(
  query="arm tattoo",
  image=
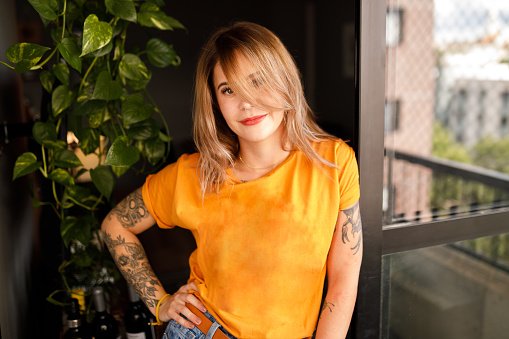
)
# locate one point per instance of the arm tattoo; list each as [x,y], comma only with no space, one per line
[131,210]
[327,306]
[133,263]
[353,218]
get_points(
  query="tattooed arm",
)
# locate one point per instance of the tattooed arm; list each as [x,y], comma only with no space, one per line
[120,227]
[128,218]
[343,265]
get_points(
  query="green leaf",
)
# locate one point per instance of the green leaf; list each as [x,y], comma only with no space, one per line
[89,140]
[103,180]
[46,8]
[26,163]
[131,67]
[120,171]
[121,154]
[72,12]
[43,131]
[111,130]
[164,137]
[160,54]
[96,119]
[71,53]
[144,130]
[67,159]
[61,98]
[25,55]
[106,88]
[72,228]
[54,144]
[91,107]
[135,109]
[79,193]
[138,85]
[80,173]
[47,78]
[62,177]
[61,71]
[96,34]
[119,50]
[68,229]
[103,50]
[86,93]
[150,15]
[154,149]
[124,9]
[159,3]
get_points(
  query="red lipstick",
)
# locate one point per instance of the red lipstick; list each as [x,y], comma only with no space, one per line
[253,120]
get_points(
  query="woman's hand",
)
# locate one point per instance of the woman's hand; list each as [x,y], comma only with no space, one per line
[174,306]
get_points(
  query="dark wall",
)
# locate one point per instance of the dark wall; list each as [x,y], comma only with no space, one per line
[319,34]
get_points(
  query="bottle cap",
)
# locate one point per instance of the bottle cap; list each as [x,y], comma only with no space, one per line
[99,302]
[133,297]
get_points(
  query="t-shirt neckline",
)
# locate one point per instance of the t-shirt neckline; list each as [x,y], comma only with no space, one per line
[237,181]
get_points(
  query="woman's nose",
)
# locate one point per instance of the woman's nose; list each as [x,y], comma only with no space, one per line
[245,106]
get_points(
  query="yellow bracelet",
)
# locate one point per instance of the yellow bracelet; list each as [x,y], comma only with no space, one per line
[159,322]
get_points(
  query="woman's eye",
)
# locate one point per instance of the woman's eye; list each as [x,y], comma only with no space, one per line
[227,90]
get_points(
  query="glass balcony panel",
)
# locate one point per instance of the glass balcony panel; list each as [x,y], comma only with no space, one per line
[459,290]
[447,109]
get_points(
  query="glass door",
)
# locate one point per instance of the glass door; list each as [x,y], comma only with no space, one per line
[433,96]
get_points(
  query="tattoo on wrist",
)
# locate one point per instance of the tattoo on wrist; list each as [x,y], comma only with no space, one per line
[353,218]
[133,264]
[131,210]
[327,306]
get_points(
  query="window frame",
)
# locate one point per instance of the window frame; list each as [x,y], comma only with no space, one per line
[382,240]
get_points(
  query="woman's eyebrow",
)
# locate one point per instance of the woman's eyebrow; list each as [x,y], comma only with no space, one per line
[250,76]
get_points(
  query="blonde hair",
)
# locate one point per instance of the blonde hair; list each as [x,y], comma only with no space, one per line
[276,70]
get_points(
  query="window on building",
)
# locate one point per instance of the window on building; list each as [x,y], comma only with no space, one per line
[393,28]
[391,115]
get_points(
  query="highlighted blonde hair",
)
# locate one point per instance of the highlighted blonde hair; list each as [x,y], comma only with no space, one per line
[276,74]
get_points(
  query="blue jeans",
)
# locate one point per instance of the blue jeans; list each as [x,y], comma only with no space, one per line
[177,331]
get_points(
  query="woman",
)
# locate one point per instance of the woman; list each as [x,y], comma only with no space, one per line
[270,198]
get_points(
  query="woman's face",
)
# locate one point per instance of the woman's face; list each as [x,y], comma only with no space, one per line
[250,123]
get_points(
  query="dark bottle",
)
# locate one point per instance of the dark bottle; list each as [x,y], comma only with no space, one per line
[104,326]
[76,329]
[138,318]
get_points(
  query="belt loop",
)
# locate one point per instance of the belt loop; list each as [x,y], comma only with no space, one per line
[212,330]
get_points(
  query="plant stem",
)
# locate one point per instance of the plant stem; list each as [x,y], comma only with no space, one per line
[59,122]
[86,75]
[55,193]
[156,108]
[114,129]
[45,61]
[45,171]
[63,25]
[1,62]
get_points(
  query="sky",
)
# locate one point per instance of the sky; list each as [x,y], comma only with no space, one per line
[469,20]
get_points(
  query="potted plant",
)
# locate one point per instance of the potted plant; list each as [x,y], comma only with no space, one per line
[99,107]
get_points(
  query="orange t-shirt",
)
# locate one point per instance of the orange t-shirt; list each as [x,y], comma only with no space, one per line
[262,245]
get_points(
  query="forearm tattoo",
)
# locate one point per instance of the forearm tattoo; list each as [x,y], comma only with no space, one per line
[353,219]
[132,261]
[131,210]
[327,306]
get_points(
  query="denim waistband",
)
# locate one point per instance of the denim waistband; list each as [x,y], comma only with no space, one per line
[177,331]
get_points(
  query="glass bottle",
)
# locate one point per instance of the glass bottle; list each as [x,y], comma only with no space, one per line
[104,326]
